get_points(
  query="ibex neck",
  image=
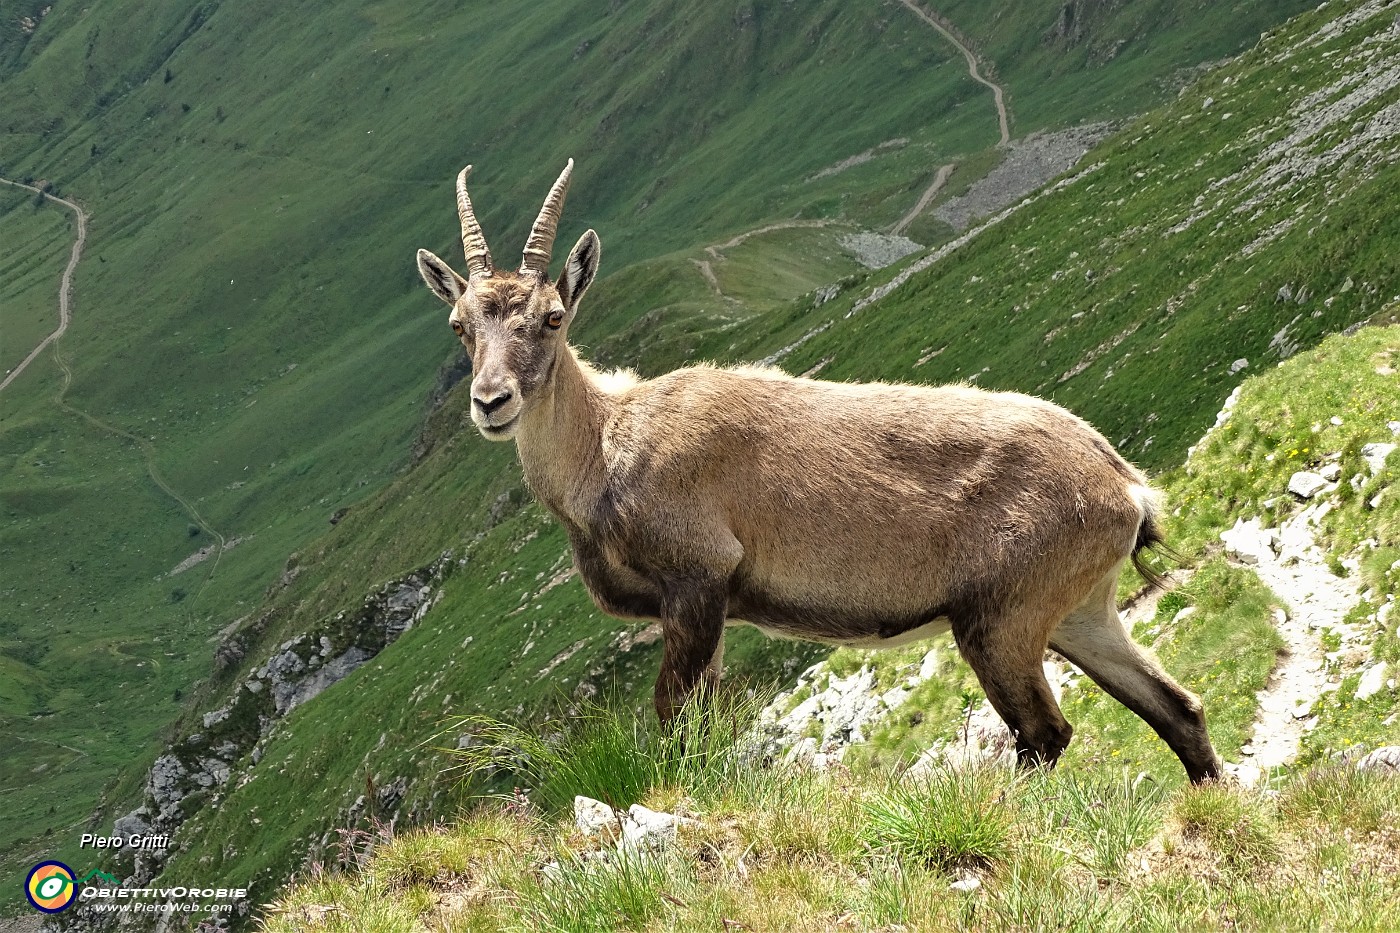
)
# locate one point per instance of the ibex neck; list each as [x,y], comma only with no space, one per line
[561,442]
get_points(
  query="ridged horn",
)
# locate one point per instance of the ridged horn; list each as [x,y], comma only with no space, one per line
[473,240]
[541,242]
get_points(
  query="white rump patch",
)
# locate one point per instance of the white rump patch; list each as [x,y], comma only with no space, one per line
[1149,501]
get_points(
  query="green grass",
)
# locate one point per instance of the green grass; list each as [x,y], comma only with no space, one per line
[612,755]
[945,821]
[29,277]
[781,848]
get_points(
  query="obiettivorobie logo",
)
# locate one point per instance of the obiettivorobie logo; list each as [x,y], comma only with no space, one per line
[52,886]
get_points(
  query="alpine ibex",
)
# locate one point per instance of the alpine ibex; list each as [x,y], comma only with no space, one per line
[856,514]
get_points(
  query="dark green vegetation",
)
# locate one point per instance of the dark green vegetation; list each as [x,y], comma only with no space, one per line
[29,277]
[259,178]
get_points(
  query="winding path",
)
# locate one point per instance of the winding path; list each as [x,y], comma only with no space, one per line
[64,317]
[707,269]
[998,94]
[929,194]
[65,289]
[998,98]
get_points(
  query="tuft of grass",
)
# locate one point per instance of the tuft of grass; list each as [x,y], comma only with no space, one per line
[1036,891]
[1106,821]
[614,754]
[1236,825]
[598,896]
[1339,796]
[945,820]
[898,893]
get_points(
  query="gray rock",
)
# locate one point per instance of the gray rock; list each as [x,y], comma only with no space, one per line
[215,769]
[646,830]
[1384,760]
[1030,162]
[1239,365]
[217,716]
[877,250]
[802,752]
[1305,484]
[1249,543]
[134,823]
[966,884]
[593,817]
[163,785]
[291,694]
[1332,472]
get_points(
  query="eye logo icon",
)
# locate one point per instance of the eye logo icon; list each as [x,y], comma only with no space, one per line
[50,887]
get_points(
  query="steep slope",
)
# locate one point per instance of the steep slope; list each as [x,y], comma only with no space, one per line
[508,630]
[298,154]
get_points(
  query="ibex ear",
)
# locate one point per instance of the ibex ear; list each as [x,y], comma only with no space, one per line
[445,283]
[579,270]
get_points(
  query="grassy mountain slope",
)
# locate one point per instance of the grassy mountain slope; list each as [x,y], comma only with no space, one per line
[254,172]
[471,653]
[1086,847]
[29,293]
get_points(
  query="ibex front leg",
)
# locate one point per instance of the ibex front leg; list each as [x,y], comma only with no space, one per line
[692,624]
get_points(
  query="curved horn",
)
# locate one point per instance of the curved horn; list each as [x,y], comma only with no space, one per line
[473,240]
[541,242]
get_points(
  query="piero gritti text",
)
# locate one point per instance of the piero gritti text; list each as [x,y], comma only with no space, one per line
[134,841]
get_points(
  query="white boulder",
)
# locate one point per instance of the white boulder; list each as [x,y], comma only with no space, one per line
[1372,680]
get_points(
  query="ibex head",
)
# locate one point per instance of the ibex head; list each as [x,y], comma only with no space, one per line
[513,324]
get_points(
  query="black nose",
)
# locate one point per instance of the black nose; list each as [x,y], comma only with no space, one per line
[486,406]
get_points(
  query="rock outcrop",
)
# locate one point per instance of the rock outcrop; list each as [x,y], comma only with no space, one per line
[194,770]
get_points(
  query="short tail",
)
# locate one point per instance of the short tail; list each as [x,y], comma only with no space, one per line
[1149,537]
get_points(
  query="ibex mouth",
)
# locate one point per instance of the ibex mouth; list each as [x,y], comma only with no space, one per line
[499,432]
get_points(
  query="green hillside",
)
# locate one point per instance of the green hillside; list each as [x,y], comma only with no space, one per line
[255,174]
[29,278]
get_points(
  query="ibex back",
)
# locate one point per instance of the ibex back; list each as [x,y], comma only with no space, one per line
[856,514]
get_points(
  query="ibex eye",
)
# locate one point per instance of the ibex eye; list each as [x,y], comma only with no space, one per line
[457,328]
[555,319]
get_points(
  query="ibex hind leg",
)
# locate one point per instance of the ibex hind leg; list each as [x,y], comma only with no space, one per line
[1093,638]
[1006,653]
